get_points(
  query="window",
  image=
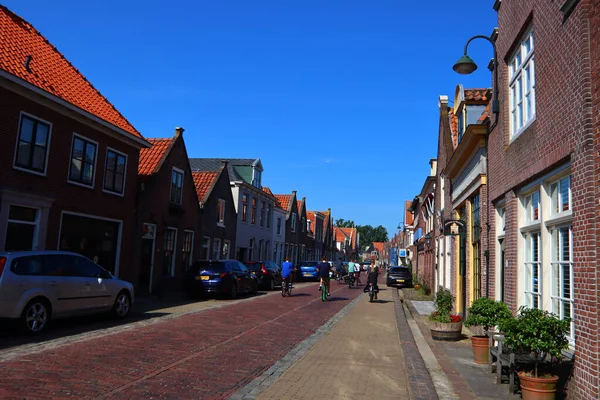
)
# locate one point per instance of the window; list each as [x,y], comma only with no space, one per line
[303,226]
[309,223]
[251,250]
[560,195]
[253,212]
[170,243]
[262,213]
[216,249]
[176,186]
[532,207]
[188,248]
[226,248]
[32,145]
[85,268]
[279,225]
[462,117]
[256,181]
[114,173]
[205,251]
[532,270]
[221,212]
[267,250]
[244,207]
[268,216]
[502,217]
[275,252]
[83,161]
[21,229]
[260,250]
[562,273]
[293,222]
[476,245]
[280,253]
[521,69]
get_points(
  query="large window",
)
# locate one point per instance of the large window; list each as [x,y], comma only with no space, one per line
[279,225]
[188,248]
[521,71]
[176,186]
[532,270]
[476,245]
[562,273]
[170,245]
[83,161]
[560,195]
[114,173]
[216,249]
[244,207]
[32,145]
[253,211]
[221,212]
[293,217]
[251,250]
[532,207]
[205,248]
[262,212]
[21,230]
[268,216]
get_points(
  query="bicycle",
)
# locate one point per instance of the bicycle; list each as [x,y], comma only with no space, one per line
[286,287]
[324,290]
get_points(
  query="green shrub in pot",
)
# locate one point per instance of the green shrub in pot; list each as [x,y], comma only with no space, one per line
[487,313]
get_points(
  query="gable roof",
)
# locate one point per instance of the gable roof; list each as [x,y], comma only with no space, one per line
[378,246]
[299,205]
[214,164]
[50,71]
[204,181]
[310,215]
[284,200]
[150,157]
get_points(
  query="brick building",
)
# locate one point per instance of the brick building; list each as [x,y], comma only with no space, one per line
[69,172]
[542,178]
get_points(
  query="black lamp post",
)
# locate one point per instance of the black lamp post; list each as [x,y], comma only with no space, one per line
[465,65]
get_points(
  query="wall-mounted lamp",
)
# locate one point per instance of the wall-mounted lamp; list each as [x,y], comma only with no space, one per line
[428,239]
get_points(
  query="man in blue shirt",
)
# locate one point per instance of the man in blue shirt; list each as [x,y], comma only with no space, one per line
[286,271]
[338,267]
[324,267]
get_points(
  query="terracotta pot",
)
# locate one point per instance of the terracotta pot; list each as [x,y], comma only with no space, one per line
[533,388]
[416,286]
[481,349]
[446,330]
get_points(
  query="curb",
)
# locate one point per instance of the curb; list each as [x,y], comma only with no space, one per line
[267,378]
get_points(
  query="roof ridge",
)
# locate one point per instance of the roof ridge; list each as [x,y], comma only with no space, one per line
[30,26]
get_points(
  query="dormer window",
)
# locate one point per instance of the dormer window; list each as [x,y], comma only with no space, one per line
[256,179]
[462,117]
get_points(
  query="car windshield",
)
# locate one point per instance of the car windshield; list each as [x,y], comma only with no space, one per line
[215,266]
[253,266]
[398,270]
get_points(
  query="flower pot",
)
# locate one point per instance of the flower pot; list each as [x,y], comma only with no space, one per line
[416,286]
[481,349]
[533,388]
[446,330]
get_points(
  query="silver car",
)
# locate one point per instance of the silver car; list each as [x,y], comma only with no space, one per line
[38,285]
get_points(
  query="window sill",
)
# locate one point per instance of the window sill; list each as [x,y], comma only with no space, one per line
[518,133]
[29,171]
[560,218]
[114,193]
[531,227]
[83,185]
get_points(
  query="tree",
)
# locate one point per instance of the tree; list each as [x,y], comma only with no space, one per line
[342,223]
[368,235]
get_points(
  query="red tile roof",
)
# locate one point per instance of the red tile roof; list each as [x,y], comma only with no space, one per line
[378,246]
[477,94]
[310,215]
[298,204]
[340,236]
[267,190]
[50,71]
[453,127]
[284,200]
[204,181]
[149,158]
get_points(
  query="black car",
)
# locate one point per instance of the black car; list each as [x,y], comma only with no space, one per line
[399,276]
[228,277]
[267,272]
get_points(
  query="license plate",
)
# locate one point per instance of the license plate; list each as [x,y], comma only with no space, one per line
[202,278]
[400,280]
[307,274]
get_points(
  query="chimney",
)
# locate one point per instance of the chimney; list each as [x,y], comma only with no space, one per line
[294,192]
[433,169]
[179,131]
[224,162]
[443,101]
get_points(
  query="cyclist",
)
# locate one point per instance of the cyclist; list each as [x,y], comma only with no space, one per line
[351,269]
[286,271]
[338,268]
[373,274]
[323,268]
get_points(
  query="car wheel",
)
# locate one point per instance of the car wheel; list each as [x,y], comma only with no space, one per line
[36,315]
[272,284]
[122,305]
[233,292]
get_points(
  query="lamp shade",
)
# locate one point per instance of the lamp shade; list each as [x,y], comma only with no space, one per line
[465,65]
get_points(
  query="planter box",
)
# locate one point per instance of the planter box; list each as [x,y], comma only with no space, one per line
[446,330]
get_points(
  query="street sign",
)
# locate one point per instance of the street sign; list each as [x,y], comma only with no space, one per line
[402,253]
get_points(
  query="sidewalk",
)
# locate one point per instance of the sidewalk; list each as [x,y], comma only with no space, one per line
[360,358]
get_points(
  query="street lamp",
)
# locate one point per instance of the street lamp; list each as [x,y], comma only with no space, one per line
[465,65]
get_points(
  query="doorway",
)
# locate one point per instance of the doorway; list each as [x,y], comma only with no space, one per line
[147,258]
[463,272]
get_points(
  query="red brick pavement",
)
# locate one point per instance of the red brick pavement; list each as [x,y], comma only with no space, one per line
[209,354]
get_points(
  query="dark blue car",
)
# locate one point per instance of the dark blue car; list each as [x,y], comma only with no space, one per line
[228,277]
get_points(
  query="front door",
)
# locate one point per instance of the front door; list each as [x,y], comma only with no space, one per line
[146,266]
[463,272]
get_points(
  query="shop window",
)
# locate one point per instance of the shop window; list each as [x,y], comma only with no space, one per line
[83,161]
[21,231]
[114,173]
[170,243]
[176,186]
[32,145]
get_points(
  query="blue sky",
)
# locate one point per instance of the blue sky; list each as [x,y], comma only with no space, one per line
[338,98]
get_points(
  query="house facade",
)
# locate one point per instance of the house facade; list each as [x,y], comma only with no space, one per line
[315,227]
[305,239]
[292,226]
[425,218]
[69,173]
[253,205]
[217,214]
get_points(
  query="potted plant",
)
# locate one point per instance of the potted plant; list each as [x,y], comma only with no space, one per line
[485,313]
[444,324]
[415,281]
[545,335]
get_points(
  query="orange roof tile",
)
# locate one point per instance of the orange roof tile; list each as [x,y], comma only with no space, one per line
[50,71]
[203,181]
[453,127]
[284,200]
[267,190]
[477,94]
[310,215]
[149,158]
[298,204]
[378,246]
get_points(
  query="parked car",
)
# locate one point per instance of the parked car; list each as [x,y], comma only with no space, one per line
[267,272]
[399,276]
[37,286]
[308,270]
[229,277]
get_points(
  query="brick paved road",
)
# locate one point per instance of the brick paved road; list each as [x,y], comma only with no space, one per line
[208,354]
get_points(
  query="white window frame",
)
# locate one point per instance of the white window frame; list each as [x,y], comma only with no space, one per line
[519,88]
[556,203]
[221,213]
[178,201]
[95,163]
[186,232]
[216,249]
[206,246]
[226,249]
[35,224]
[530,203]
[558,264]
[172,266]
[531,294]
[18,138]
[118,153]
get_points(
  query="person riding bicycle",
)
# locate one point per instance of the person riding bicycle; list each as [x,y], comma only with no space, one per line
[339,268]
[323,268]
[372,276]
[286,271]
[357,272]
